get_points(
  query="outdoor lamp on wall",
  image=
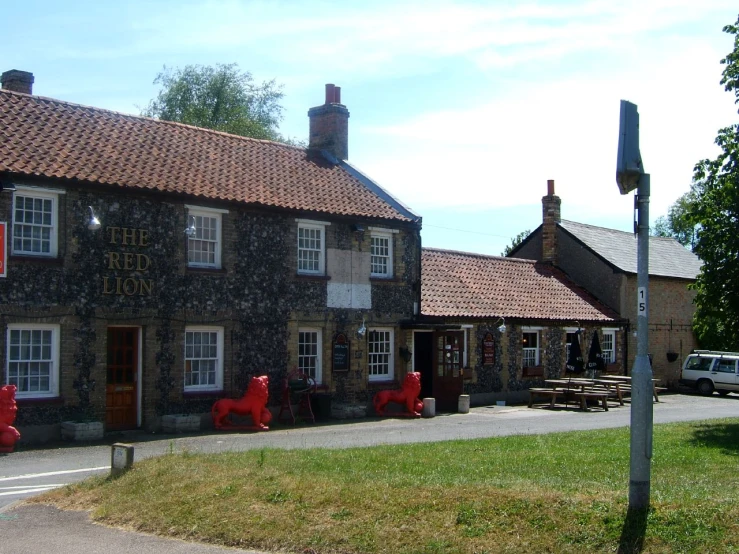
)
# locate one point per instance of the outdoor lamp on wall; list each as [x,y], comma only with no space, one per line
[502,326]
[6,185]
[361,331]
[93,223]
[190,230]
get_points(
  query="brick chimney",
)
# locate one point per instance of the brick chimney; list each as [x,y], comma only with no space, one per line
[550,217]
[18,81]
[329,125]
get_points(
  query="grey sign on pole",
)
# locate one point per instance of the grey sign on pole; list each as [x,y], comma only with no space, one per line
[629,176]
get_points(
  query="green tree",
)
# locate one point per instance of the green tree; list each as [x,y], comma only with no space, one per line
[678,223]
[716,211]
[222,98]
[515,241]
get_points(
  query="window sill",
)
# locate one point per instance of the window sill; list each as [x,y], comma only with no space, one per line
[206,270]
[49,260]
[536,371]
[376,385]
[378,279]
[203,393]
[43,401]
[311,277]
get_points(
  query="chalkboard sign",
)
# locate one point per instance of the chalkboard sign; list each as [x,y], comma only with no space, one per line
[340,352]
[488,349]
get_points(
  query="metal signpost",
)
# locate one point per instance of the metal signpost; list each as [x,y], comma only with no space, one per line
[629,176]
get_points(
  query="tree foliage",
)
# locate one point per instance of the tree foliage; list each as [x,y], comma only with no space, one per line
[515,241]
[222,98]
[716,211]
[678,223]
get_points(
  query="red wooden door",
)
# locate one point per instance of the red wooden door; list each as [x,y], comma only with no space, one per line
[447,375]
[121,397]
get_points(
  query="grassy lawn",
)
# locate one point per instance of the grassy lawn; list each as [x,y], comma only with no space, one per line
[563,492]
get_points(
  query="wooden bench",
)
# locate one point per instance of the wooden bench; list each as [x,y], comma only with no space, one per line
[656,390]
[615,391]
[600,396]
[551,393]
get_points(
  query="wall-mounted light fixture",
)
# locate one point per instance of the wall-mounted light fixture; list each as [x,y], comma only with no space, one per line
[190,230]
[361,331]
[93,223]
[358,228]
[6,185]
[502,326]
[579,331]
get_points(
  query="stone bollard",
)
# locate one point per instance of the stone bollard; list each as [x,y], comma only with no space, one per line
[463,405]
[121,458]
[429,407]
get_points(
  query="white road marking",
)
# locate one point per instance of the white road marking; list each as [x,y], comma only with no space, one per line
[50,473]
[26,490]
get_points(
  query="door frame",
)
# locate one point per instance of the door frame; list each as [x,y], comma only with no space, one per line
[465,330]
[426,374]
[139,365]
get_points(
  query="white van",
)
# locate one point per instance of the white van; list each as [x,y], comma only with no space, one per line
[708,370]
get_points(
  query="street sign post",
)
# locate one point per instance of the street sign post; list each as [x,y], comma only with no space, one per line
[629,176]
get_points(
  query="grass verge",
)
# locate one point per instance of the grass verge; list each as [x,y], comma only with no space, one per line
[556,493]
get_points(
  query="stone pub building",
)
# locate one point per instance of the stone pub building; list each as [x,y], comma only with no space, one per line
[153,267]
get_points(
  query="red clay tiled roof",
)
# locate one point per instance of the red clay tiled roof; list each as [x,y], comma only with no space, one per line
[44,137]
[458,284]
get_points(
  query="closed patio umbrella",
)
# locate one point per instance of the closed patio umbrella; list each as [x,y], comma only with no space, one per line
[595,355]
[574,362]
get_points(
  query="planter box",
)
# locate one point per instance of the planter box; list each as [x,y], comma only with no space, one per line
[91,431]
[180,423]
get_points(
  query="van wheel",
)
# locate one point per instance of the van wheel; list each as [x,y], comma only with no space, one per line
[705,387]
[723,392]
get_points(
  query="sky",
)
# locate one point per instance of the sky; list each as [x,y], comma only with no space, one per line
[460,109]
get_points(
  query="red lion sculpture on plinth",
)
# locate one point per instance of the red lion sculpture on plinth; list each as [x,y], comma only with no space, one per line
[253,403]
[9,435]
[407,395]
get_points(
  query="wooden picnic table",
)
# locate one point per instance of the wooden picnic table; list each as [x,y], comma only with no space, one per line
[619,388]
[626,380]
[571,383]
[582,389]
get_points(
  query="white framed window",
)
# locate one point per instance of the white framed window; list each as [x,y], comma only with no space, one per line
[380,359]
[33,360]
[35,221]
[205,245]
[608,346]
[311,247]
[381,253]
[309,353]
[203,358]
[530,345]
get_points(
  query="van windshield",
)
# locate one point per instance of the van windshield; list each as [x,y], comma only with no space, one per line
[698,364]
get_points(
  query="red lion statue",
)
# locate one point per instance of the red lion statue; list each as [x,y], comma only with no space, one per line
[253,403]
[407,395]
[9,435]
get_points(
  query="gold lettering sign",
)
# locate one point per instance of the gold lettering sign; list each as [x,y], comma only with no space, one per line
[128,261]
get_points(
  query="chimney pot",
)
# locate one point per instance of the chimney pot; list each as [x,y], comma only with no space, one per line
[330,94]
[550,187]
[337,95]
[18,81]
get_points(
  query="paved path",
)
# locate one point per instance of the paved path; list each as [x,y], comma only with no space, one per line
[37,529]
